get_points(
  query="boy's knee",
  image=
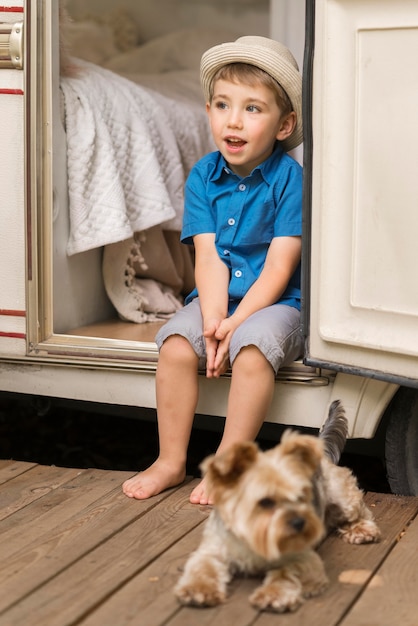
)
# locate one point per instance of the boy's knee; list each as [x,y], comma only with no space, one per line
[177,348]
[251,358]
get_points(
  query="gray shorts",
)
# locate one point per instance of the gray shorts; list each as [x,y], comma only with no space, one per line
[274,330]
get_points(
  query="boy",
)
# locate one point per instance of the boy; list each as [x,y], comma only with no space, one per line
[243,208]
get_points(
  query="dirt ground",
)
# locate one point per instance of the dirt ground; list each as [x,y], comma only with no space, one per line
[76,437]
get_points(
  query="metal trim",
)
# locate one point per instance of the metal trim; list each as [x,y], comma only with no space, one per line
[11,45]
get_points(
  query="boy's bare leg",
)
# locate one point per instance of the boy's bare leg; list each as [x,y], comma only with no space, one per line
[177,393]
[250,396]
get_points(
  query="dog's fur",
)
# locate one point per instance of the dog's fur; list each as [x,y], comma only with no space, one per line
[271,509]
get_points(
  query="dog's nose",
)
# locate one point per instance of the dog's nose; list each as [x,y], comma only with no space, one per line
[298,523]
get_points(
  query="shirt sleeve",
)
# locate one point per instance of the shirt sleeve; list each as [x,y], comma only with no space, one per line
[288,198]
[198,216]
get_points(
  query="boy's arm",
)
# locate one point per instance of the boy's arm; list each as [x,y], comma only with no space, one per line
[212,280]
[281,262]
[212,277]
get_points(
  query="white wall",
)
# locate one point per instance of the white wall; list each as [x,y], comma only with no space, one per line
[288,26]
[155,17]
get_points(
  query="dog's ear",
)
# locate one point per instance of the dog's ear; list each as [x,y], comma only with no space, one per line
[227,467]
[306,449]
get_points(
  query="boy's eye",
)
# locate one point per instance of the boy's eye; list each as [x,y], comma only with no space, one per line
[220,105]
[252,108]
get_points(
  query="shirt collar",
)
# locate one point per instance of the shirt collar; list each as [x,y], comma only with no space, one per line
[267,169]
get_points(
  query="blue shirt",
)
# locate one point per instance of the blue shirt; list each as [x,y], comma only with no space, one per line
[245,214]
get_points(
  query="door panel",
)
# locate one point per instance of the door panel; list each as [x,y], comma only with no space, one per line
[363,304]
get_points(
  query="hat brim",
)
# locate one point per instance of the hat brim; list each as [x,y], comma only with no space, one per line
[265,58]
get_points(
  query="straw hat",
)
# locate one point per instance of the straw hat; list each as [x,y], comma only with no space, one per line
[270,56]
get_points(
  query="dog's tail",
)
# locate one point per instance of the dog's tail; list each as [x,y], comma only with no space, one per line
[334,432]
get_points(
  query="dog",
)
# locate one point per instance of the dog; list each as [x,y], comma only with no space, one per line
[271,510]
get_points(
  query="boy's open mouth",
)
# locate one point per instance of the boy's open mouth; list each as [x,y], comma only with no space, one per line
[235,142]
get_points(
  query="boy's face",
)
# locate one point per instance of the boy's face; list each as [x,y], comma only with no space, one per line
[245,122]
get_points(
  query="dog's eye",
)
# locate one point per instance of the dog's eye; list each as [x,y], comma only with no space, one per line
[267,503]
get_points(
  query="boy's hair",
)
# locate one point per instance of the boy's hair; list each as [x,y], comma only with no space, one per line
[252,75]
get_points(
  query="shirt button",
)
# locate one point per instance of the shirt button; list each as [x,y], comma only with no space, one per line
[242,187]
[238,273]
[231,221]
[226,252]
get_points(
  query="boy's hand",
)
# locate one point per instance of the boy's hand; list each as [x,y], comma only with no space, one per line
[217,334]
[223,336]
[209,332]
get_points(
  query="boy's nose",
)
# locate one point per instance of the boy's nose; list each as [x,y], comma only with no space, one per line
[235,120]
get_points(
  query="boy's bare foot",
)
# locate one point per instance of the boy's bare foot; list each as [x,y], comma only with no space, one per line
[199,495]
[152,481]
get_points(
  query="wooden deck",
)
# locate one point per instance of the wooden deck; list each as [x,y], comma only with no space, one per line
[75,550]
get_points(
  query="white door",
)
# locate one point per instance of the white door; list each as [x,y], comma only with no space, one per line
[362,209]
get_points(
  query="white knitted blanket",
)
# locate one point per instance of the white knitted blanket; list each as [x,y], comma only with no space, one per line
[129,150]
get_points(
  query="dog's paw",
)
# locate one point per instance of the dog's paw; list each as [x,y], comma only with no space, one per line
[363,531]
[315,587]
[199,594]
[277,598]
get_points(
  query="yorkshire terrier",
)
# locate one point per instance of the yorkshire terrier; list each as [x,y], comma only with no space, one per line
[271,509]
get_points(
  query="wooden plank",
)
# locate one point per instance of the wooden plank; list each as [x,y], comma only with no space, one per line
[31,485]
[342,560]
[47,555]
[72,592]
[28,527]
[10,469]
[391,595]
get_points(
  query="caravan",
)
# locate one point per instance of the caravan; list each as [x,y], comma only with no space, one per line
[82,294]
